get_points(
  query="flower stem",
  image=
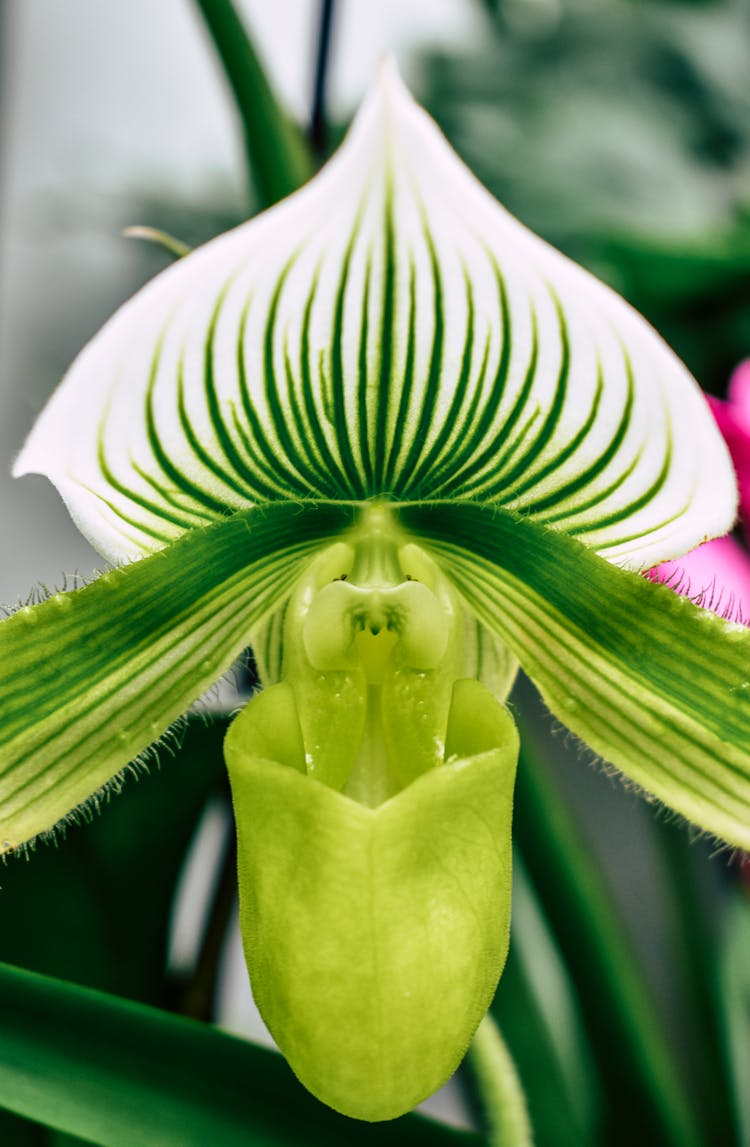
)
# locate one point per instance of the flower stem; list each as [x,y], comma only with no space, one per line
[198,996]
[318,116]
[499,1087]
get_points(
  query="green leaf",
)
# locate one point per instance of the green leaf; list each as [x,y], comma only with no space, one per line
[694,953]
[374,937]
[89,678]
[641,1084]
[124,1075]
[112,932]
[538,1012]
[388,330]
[735,976]
[652,683]
[277,158]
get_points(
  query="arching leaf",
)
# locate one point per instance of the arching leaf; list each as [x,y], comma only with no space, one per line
[277,159]
[119,1074]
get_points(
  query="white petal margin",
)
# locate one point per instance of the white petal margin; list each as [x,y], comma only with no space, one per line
[388,330]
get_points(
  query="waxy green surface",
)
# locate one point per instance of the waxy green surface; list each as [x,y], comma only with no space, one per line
[374,937]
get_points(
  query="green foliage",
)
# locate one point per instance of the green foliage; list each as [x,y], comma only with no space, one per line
[277,158]
[95,907]
[539,1012]
[735,982]
[124,1075]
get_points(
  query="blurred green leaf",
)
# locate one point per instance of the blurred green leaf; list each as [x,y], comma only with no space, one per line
[95,907]
[538,1013]
[693,913]
[735,973]
[124,1075]
[277,158]
[642,1087]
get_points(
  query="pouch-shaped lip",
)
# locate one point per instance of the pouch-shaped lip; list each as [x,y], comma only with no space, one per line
[375,938]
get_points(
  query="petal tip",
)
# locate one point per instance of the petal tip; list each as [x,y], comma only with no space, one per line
[388,99]
[24,463]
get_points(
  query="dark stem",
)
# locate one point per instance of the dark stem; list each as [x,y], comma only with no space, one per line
[198,994]
[318,120]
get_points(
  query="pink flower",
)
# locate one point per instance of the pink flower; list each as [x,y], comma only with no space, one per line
[717,574]
[733,417]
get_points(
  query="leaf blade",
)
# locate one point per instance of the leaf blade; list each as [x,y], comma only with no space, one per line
[735,981]
[118,1073]
[539,1015]
[638,1073]
[277,159]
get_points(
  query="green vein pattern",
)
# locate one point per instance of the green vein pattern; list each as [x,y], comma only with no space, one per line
[619,660]
[89,678]
[388,332]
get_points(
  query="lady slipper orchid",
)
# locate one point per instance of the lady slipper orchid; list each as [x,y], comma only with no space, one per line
[399,445]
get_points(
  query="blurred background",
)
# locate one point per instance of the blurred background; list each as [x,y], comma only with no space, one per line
[115,114]
[617,129]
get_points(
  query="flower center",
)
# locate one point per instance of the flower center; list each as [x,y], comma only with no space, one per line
[374,634]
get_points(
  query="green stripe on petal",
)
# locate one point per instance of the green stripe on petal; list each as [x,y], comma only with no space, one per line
[387,331]
[487,658]
[90,678]
[652,683]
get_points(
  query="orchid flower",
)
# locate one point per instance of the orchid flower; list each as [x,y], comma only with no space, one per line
[733,417]
[717,574]
[399,445]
